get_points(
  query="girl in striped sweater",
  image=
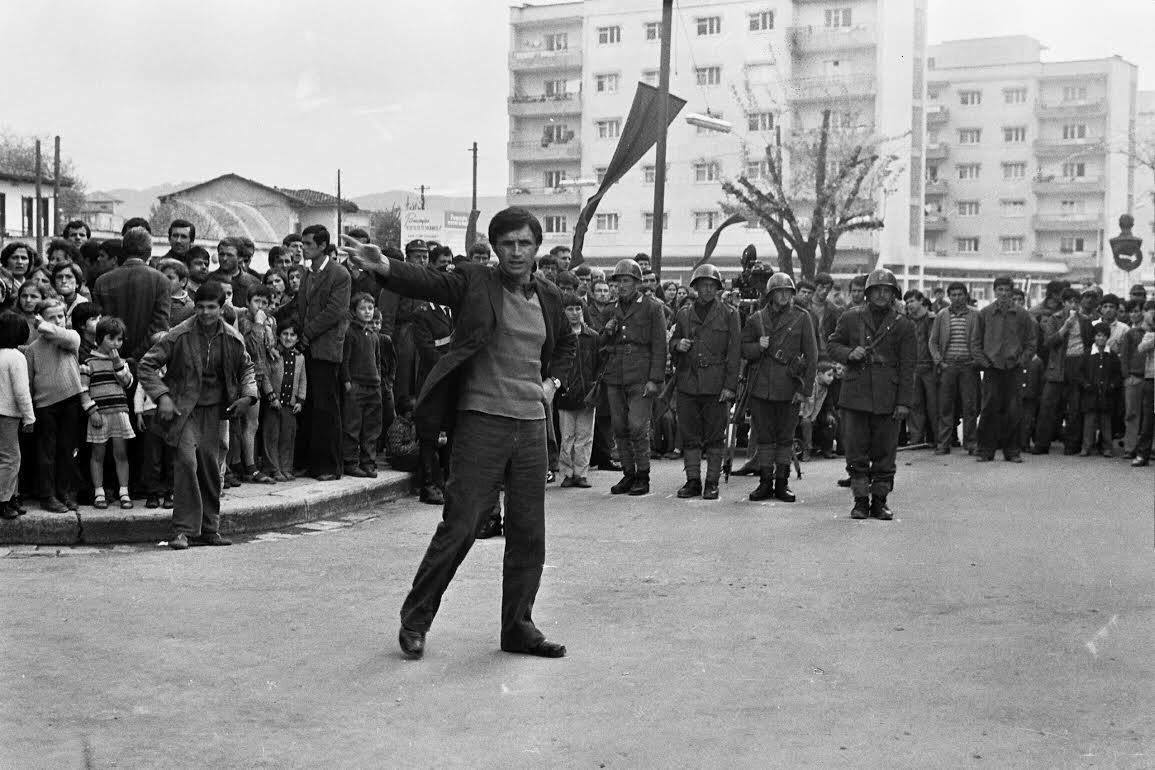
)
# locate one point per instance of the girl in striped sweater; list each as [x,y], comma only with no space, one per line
[106,379]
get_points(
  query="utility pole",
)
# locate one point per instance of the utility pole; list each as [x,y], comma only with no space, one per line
[339,218]
[56,190]
[37,226]
[474,206]
[660,158]
[423,188]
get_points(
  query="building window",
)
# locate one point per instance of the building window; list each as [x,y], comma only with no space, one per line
[555,223]
[967,245]
[709,25]
[762,21]
[1013,207]
[600,173]
[606,223]
[838,17]
[554,178]
[1071,244]
[708,76]
[609,35]
[1014,171]
[1072,207]
[1075,131]
[970,135]
[757,169]
[556,88]
[608,129]
[706,220]
[606,84]
[970,98]
[707,171]
[558,41]
[556,133]
[969,170]
[648,221]
[968,208]
[760,121]
[932,173]
[649,174]
[1074,93]
[1015,134]
[1012,244]
[1074,170]
[653,31]
[1015,95]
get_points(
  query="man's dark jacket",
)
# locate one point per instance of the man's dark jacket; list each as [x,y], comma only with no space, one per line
[711,364]
[323,310]
[473,293]
[141,297]
[886,379]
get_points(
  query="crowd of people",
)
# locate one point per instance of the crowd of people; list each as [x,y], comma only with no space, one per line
[317,363]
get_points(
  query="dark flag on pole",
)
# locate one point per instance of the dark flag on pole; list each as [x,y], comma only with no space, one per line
[713,242]
[471,228]
[639,134]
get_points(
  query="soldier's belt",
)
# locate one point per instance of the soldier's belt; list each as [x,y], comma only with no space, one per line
[704,363]
[883,364]
[442,342]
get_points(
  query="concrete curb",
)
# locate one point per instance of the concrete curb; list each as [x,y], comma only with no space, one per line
[246,509]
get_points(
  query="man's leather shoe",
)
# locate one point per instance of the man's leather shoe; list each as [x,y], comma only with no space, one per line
[432,494]
[52,505]
[861,509]
[152,502]
[178,542]
[641,485]
[1139,462]
[212,538]
[581,482]
[692,488]
[710,491]
[610,466]
[543,649]
[880,510]
[749,469]
[764,490]
[983,459]
[491,528]
[1015,459]
[844,483]
[167,502]
[566,483]
[327,477]
[942,450]
[356,471]
[412,643]
[623,486]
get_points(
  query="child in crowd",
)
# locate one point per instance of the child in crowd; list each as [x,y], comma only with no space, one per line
[85,316]
[388,373]
[182,307]
[277,282]
[1032,391]
[106,379]
[54,372]
[818,412]
[259,329]
[287,381]
[28,296]
[575,417]
[67,280]
[361,375]
[402,448]
[1102,379]
[16,412]
[156,456]
[295,273]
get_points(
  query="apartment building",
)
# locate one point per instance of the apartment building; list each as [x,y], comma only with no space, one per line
[1026,168]
[1145,187]
[763,65]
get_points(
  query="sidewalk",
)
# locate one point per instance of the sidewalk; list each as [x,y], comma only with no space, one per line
[247,508]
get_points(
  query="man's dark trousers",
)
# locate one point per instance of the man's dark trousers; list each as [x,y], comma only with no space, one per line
[871,451]
[487,451]
[323,402]
[197,474]
[1002,413]
[958,391]
[702,429]
[1068,393]
[56,434]
[630,412]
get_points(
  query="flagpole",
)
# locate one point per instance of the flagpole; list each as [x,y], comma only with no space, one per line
[660,159]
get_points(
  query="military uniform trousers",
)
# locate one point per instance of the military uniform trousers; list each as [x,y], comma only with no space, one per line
[630,413]
[871,442]
[774,426]
[702,428]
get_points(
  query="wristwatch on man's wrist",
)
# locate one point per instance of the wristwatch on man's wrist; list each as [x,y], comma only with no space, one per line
[556,383]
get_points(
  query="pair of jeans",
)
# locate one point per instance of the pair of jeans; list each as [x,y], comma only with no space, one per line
[871,442]
[57,427]
[197,474]
[577,440]
[488,451]
[630,413]
[362,424]
[958,391]
[1002,413]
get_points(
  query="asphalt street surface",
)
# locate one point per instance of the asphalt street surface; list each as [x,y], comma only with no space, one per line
[1004,619]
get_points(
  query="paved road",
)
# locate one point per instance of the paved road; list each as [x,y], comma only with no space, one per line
[1006,623]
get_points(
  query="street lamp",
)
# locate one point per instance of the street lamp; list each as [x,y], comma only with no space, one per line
[1126,246]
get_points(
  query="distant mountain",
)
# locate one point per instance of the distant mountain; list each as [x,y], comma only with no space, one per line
[383,201]
[137,203]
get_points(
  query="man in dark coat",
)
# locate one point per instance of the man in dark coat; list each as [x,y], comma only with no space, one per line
[136,294]
[511,348]
[878,347]
[704,348]
[432,333]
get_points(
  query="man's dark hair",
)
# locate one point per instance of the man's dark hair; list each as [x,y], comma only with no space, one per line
[1068,294]
[289,323]
[913,294]
[1131,305]
[210,291]
[583,270]
[479,248]
[441,251]
[110,326]
[1102,328]
[546,260]
[1055,288]
[569,299]
[71,252]
[246,248]
[1004,280]
[82,313]
[68,267]
[806,284]
[937,290]
[512,219]
[559,249]
[320,234]
[642,256]
[113,248]
[13,330]
[135,222]
[1110,299]
[89,251]
[567,280]
[192,229]
[858,280]
[360,233]
[823,279]
[291,238]
[957,286]
[136,243]
[261,290]
[275,254]
[175,265]
[77,224]
[197,252]
[228,241]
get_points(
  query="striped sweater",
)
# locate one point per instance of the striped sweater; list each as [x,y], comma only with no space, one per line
[105,384]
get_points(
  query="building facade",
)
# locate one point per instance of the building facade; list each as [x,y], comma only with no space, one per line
[1027,169]
[764,66]
[18,207]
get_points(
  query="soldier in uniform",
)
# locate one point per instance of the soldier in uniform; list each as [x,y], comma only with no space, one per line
[432,333]
[634,344]
[704,348]
[878,346]
[779,342]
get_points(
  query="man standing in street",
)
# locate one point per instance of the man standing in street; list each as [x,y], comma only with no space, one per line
[510,351]
[1066,336]
[823,311]
[181,236]
[878,347]
[1003,342]
[323,315]
[705,350]
[922,426]
[136,294]
[634,345]
[958,381]
[230,271]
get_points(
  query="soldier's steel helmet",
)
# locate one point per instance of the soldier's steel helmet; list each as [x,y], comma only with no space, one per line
[882,277]
[779,281]
[627,268]
[706,271]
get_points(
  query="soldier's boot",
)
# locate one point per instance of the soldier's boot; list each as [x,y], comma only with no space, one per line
[641,485]
[765,488]
[623,486]
[692,488]
[713,472]
[782,484]
[861,508]
[879,509]
[692,460]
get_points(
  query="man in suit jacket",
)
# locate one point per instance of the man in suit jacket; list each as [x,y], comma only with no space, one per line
[510,350]
[137,294]
[323,314]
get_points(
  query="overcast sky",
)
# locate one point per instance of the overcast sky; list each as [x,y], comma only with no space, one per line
[145,92]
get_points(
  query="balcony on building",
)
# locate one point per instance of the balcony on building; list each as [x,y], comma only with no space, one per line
[542,197]
[935,222]
[1043,185]
[937,115]
[833,87]
[542,106]
[1062,148]
[938,151]
[819,39]
[532,150]
[1073,223]
[540,60]
[936,187]
[1085,108]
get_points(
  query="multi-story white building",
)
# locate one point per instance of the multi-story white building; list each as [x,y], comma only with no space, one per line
[763,65]
[1145,187]
[1027,168]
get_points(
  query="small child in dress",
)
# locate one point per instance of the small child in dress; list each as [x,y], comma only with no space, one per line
[16,413]
[106,379]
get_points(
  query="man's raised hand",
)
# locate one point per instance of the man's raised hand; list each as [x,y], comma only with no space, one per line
[364,255]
